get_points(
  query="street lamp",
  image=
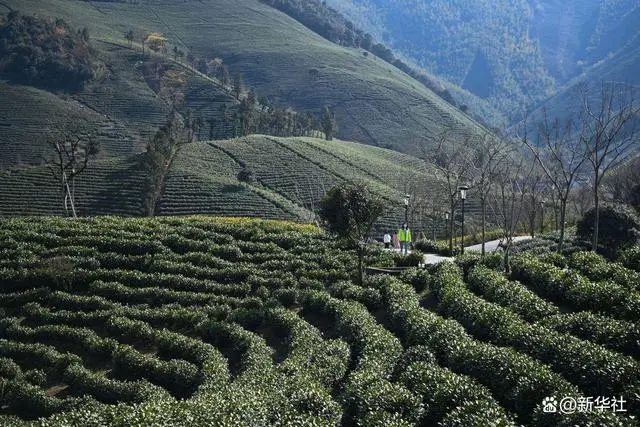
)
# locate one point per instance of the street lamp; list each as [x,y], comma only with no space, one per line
[406,209]
[446,225]
[463,196]
[542,216]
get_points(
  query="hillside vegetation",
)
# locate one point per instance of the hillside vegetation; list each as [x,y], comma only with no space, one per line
[47,53]
[112,321]
[122,111]
[285,62]
[284,179]
[513,53]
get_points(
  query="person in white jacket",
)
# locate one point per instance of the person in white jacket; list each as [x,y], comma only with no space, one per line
[387,240]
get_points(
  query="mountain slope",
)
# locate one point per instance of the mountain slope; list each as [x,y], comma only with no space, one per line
[482,46]
[374,102]
[514,53]
[617,68]
[288,178]
[123,111]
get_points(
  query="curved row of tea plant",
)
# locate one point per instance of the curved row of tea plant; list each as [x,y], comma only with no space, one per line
[229,321]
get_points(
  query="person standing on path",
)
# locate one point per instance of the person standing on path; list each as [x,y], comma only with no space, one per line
[387,240]
[404,236]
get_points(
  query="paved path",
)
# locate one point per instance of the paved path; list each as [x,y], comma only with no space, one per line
[435,259]
[490,246]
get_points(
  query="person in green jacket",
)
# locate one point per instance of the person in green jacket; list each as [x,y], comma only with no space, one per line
[404,236]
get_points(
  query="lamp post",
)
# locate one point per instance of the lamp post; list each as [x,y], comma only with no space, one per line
[446,225]
[463,196]
[542,216]
[406,209]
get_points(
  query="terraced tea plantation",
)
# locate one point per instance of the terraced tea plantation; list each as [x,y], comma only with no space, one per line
[205,321]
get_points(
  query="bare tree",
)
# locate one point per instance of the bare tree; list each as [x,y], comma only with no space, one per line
[534,195]
[452,162]
[581,200]
[608,134]
[489,157]
[561,155]
[72,150]
[510,189]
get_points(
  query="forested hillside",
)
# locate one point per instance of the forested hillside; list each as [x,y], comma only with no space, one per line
[514,53]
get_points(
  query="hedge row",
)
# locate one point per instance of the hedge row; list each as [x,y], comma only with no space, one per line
[493,287]
[76,338]
[449,398]
[370,398]
[568,286]
[103,389]
[617,335]
[179,377]
[30,401]
[171,317]
[261,394]
[596,370]
[516,380]
[367,296]
[158,296]
[597,268]
[319,360]
[37,355]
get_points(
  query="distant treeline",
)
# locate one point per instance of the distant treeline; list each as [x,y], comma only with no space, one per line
[47,53]
[330,24]
[252,117]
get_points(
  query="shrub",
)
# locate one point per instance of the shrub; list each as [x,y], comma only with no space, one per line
[419,278]
[618,229]
[470,260]
[409,260]
[439,248]
[630,258]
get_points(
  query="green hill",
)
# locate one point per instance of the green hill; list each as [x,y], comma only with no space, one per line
[375,103]
[288,177]
[123,110]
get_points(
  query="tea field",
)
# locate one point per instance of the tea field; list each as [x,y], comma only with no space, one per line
[231,321]
[375,102]
[288,177]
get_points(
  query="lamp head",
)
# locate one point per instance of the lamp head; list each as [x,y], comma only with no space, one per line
[463,191]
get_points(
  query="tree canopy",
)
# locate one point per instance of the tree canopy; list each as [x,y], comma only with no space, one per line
[349,211]
[47,53]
